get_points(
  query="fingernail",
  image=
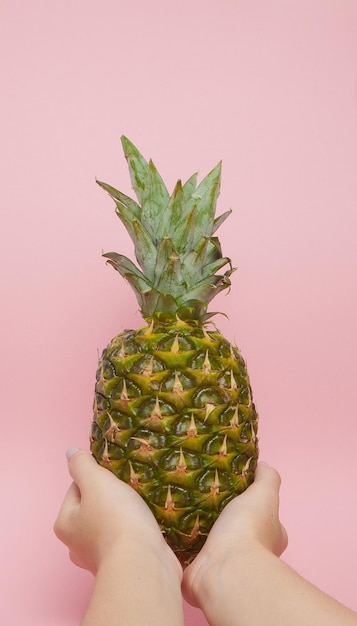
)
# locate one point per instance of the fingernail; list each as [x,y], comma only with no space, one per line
[70,452]
[264,463]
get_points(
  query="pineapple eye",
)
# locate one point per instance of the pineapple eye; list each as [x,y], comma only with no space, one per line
[176,341]
[145,472]
[180,496]
[128,391]
[106,370]
[244,396]
[148,406]
[203,361]
[185,381]
[114,452]
[147,365]
[124,422]
[214,445]
[209,479]
[102,403]
[170,461]
[210,395]
[184,423]
[241,463]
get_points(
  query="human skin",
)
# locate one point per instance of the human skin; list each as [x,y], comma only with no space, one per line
[237,579]
[111,532]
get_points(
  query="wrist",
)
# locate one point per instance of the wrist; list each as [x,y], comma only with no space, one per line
[142,555]
[137,582]
[223,571]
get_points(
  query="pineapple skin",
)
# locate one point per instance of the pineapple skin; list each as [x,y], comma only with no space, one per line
[175,419]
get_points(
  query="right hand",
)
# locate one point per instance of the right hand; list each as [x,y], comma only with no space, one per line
[249,521]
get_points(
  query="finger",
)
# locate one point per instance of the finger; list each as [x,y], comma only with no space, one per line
[268,476]
[72,497]
[82,467]
[284,539]
[71,501]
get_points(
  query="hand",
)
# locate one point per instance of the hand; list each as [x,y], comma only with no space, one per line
[100,513]
[249,521]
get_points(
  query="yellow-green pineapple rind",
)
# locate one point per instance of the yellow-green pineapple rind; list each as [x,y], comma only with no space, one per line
[174,417]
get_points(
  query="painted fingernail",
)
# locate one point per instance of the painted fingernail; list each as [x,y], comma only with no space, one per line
[70,452]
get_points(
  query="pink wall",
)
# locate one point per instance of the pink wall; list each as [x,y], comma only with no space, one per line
[269,87]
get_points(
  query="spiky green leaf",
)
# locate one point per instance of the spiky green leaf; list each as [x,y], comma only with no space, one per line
[176,221]
[211,268]
[165,253]
[138,166]
[173,212]
[184,233]
[219,220]
[190,186]
[145,249]
[125,266]
[207,289]
[214,251]
[194,262]
[206,205]
[213,178]
[121,199]
[169,278]
[155,304]
[155,198]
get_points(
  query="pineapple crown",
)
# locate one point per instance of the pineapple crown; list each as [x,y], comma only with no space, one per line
[174,243]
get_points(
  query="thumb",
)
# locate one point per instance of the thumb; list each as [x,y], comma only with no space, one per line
[81,465]
[268,476]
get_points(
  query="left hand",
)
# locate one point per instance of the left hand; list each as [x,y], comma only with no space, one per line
[100,512]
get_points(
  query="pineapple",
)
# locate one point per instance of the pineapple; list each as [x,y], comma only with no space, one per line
[173,409]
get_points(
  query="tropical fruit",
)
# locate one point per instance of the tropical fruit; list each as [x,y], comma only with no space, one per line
[173,410]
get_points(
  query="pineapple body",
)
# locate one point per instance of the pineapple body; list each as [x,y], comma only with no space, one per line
[174,418]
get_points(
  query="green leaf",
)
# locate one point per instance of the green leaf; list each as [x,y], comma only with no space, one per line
[148,303]
[212,268]
[155,304]
[130,272]
[204,291]
[213,178]
[121,199]
[138,167]
[155,198]
[194,262]
[164,251]
[206,206]
[127,218]
[174,211]
[166,304]
[207,289]
[125,266]
[192,309]
[219,220]
[189,187]
[169,278]
[184,234]
[173,221]
[214,250]
[145,249]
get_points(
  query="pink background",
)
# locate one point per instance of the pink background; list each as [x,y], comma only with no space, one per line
[270,88]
